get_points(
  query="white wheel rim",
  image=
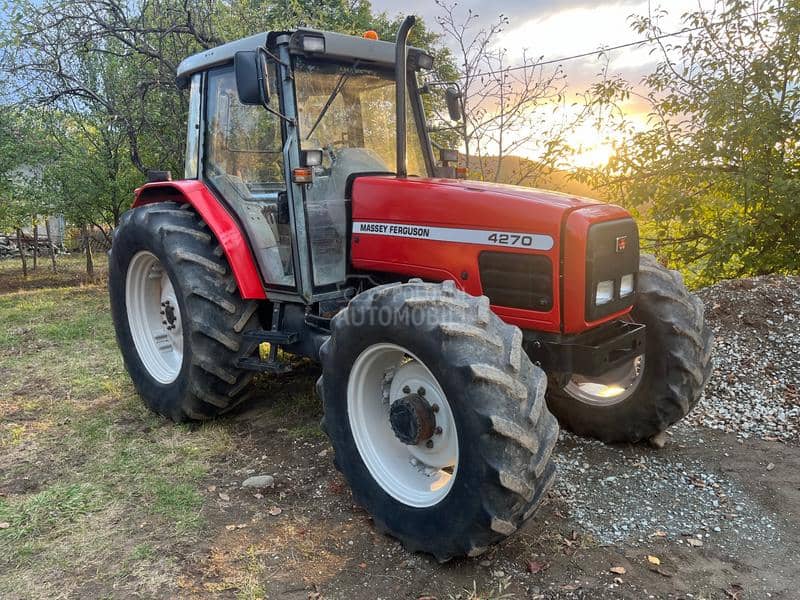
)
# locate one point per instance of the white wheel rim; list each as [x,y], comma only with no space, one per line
[154,317]
[608,389]
[417,476]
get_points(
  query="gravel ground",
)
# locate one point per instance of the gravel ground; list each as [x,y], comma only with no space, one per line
[632,494]
[755,388]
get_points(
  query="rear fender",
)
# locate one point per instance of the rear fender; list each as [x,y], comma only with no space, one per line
[222,224]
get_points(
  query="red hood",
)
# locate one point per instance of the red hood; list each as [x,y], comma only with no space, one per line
[445,225]
[533,194]
[455,203]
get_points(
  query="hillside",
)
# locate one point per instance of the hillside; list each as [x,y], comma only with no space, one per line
[517,170]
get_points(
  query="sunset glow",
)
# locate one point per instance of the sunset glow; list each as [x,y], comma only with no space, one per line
[552,31]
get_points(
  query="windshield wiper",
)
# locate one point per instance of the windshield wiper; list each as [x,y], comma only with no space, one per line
[336,89]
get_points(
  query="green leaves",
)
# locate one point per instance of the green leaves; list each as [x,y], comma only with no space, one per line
[715,175]
[101,77]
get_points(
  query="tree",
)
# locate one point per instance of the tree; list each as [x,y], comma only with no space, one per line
[113,60]
[117,60]
[92,180]
[714,177]
[508,110]
[24,154]
[104,73]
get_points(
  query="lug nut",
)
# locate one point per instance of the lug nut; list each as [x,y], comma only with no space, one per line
[435,408]
[421,391]
[438,430]
[406,389]
[429,444]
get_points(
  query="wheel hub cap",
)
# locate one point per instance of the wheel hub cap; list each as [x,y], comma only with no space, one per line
[169,315]
[413,420]
[608,389]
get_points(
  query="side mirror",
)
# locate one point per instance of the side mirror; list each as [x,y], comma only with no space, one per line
[447,156]
[252,77]
[453,99]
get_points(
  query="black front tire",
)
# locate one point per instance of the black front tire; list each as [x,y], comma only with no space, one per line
[505,433]
[213,314]
[677,365]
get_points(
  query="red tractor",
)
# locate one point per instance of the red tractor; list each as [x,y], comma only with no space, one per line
[452,318]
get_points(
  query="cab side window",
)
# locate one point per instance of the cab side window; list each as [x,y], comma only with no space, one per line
[243,161]
[243,142]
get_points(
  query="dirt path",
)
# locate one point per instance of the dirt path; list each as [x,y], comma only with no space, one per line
[604,512]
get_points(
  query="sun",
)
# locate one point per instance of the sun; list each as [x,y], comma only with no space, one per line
[592,147]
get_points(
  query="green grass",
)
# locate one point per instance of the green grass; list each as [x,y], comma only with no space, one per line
[179,503]
[49,510]
[292,398]
[57,317]
[70,272]
[251,587]
[307,431]
[95,487]
[143,552]
[104,464]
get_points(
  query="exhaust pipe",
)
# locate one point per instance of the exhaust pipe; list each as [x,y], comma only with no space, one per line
[400,77]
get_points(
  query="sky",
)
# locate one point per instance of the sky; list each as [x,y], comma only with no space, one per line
[559,29]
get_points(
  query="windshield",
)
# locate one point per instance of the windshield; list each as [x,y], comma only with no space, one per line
[347,107]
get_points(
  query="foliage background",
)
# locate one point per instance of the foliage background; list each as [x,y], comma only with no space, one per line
[89,104]
[714,178]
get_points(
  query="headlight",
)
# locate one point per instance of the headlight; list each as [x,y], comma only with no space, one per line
[313,43]
[626,285]
[604,293]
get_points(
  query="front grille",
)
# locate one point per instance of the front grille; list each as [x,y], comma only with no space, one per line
[517,280]
[605,261]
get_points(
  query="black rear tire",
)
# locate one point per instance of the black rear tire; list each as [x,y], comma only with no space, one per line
[677,365]
[505,433]
[213,314]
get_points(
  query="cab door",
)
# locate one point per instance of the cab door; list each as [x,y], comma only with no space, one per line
[243,161]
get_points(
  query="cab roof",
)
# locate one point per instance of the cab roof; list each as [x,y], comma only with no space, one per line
[337,45]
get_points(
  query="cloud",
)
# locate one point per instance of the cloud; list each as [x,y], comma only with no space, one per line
[515,9]
[583,29]
[558,30]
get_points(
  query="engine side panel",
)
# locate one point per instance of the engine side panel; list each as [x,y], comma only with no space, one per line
[437,230]
[219,220]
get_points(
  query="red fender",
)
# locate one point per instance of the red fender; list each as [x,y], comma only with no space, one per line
[225,228]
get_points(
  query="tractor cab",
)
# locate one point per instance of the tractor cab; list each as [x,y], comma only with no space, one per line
[279,125]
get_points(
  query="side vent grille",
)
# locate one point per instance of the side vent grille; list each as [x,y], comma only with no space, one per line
[517,280]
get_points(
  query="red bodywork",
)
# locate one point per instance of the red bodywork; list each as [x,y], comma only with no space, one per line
[472,205]
[464,205]
[220,221]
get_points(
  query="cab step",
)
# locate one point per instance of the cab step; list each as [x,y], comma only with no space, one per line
[252,341]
